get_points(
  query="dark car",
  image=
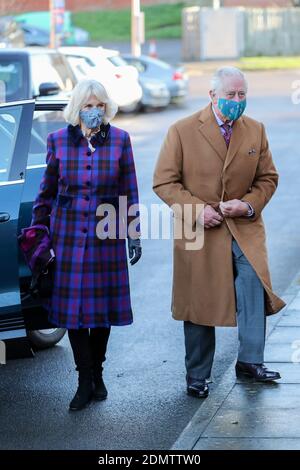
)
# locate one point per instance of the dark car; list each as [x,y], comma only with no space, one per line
[174,78]
[34,73]
[24,126]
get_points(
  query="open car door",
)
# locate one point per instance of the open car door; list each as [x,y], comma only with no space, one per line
[15,132]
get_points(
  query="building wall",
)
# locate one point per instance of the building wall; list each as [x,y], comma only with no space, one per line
[258,3]
[20,6]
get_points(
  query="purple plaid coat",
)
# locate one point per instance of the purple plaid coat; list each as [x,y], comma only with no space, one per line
[91,284]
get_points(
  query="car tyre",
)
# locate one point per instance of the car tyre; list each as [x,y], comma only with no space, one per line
[43,339]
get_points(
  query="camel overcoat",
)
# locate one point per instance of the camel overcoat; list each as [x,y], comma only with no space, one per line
[195,167]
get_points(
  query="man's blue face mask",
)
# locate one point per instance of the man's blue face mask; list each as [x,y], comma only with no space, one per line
[231,109]
[92,118]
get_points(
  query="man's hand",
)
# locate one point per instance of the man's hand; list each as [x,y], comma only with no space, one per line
[211,217]
[234,208]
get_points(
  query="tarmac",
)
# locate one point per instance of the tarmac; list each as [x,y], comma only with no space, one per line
[247,415]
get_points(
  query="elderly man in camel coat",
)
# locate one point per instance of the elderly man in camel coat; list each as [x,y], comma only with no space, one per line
[221,159]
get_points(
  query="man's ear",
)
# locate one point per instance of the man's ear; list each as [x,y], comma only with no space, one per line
[212,95]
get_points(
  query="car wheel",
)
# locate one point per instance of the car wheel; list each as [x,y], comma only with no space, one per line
[43,339]
[131,108]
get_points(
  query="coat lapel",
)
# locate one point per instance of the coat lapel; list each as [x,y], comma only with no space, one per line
[237,137]
[210,130]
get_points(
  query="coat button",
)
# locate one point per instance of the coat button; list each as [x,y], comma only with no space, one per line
[88,183]
[84,230]
[87,198]
[88,167]
[89,153]
[85,214]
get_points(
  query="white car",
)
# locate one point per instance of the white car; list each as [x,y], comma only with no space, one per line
[121,83]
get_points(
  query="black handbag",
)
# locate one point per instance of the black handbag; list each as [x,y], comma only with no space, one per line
[42,283]
[37,249]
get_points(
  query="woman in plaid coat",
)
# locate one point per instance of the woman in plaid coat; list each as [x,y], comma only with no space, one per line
[89,163]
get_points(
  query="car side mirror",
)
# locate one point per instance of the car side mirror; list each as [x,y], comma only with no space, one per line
[49,88]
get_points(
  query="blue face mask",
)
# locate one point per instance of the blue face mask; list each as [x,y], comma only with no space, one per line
[92,118]
[231,109]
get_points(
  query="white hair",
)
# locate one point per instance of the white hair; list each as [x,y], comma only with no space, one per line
[217,80]
[81,94]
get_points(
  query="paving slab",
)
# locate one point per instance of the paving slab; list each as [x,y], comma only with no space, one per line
[284,334]
[211,443]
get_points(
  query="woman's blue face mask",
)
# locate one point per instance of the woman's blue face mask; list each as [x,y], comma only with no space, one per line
[92,118]
[231,109]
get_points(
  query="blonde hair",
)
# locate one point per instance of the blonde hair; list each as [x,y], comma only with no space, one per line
[81,94]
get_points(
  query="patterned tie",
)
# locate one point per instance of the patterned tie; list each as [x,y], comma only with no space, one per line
[227,131]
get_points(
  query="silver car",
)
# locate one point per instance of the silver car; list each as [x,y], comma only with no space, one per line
[175,78]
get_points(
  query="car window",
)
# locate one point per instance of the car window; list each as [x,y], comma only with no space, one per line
[43,123]
[158,64]
[80,66]
[137,64]
[88,61]
[51,68]
[96,64]
[9,125]
[117,60]
[12,80]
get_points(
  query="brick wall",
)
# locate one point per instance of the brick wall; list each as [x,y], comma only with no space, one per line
[20,6]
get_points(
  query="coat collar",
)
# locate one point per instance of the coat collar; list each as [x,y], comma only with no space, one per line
[211,131]
[76,135]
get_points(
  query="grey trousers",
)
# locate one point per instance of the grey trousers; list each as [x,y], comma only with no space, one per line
[251,321]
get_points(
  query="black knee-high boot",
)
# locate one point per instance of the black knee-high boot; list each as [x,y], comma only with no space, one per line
[80,343]
[98,341]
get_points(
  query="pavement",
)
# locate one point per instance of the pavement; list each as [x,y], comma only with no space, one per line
[246,415]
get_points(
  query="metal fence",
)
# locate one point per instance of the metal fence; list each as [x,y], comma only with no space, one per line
[235,32]
[272,32]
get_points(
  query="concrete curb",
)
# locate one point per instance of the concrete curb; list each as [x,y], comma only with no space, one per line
[208,409]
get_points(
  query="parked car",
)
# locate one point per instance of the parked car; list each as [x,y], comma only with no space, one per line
[70,36]
[11,35]
[155,92]
[24,127]
[121,84]
[34,73]
[35,36]
[175,78]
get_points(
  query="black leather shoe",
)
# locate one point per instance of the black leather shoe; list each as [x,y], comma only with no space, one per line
[198,388]
[258,372]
